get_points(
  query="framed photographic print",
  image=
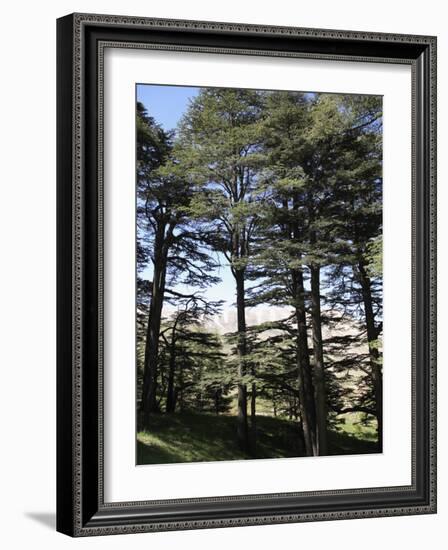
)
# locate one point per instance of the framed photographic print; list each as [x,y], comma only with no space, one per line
[246,274]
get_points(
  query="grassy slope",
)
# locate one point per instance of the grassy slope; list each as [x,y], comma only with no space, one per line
[193,437]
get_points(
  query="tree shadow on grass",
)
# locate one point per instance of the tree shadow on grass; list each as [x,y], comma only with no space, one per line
[192,437]
[188,438]
[205,437]
[340,443]
[154,454]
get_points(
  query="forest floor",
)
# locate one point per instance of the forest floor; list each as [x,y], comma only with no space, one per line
[201,437]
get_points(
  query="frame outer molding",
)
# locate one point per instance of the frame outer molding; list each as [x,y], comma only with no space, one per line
[71,517]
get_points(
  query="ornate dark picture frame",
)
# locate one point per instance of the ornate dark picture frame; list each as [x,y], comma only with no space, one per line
[81,509]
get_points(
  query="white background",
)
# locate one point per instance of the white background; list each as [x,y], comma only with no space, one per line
[125,482]
[27,232]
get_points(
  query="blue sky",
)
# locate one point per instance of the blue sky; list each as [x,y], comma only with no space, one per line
[167,104]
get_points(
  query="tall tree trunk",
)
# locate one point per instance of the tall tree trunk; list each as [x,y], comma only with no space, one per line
[149,401]
[319,373]
[180,391]
[304,413]
[372,337]
[306,392]
[170,395]
[253,417]
[303,355]
[242,428]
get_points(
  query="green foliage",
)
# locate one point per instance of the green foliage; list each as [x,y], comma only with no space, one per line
[374,257]
[219,147]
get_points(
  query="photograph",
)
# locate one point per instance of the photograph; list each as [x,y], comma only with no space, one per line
[246,272]
[259,300]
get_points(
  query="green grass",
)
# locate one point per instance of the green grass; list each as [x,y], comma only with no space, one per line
[194,437]
[352,435]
